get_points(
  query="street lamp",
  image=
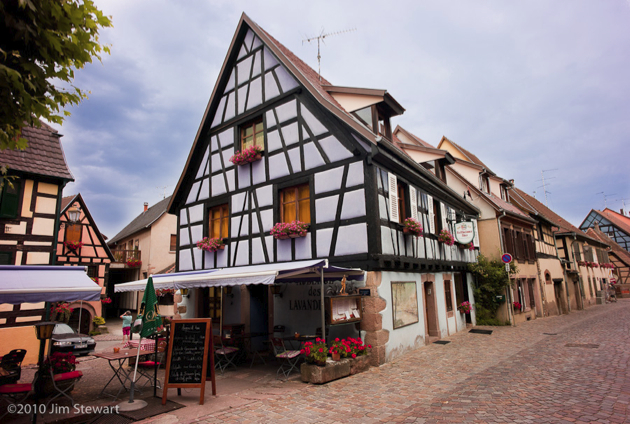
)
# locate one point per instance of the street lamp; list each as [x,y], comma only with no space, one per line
[43,331]
[74,214]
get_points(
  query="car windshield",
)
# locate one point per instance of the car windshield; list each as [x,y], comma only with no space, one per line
[63,329]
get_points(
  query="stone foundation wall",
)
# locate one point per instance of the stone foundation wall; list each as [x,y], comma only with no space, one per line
[372,322]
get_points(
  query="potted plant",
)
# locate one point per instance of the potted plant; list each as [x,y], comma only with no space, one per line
[315,353]
[61,311]
[335,349]
[354,347]
[251,154]
[446,237]
[73,245]
[464,307]
[211,244]
[581,263]
[413,227]
[285,230]
[517,306]
[106,301]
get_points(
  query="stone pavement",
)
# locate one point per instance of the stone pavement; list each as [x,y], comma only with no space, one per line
[577,372]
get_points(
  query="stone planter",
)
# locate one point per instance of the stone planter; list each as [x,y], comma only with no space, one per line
[334,369]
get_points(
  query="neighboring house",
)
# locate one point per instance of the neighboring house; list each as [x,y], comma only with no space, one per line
[577,252]
[615,225]
[30,203]
[144,247]
[618,256]
[80,243]
[503,228]
[328,159]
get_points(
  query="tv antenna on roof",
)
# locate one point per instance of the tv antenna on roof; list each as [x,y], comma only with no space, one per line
[605,195]
[623,202]
[319,38]
[163,191]
[544,186]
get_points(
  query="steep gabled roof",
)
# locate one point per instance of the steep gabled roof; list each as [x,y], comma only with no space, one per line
[414,138]
[469,156]
[69,200]
[615,248]
[142,221]
[300,70]
[615,218]
[563,225]
[43,156]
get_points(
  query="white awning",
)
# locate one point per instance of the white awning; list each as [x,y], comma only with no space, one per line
[245,275]
[34,284]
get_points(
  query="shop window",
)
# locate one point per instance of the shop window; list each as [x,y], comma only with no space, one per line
[173,246]
[253,134]
[73,232]
[295,204]
[219,217]
[10,199]
[448,295]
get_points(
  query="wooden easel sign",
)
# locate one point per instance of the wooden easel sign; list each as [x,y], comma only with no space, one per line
[187,356]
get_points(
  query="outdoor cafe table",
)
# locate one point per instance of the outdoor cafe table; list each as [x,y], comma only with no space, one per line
[120,373]
[146,344]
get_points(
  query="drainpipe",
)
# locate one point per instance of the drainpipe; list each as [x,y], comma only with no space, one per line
[580,288]
[508,298]
[540,277]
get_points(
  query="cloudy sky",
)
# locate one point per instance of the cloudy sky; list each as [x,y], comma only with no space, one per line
[527,86]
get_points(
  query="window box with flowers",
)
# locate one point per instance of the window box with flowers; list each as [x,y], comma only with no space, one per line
[285,230]
[446,237]
[413,227]
[594,265]
[517,306]
[582,263]
[61,312]
[466,246]
[248,155]
[106,301]
[211,244]
[73,245]
[132,263]
[352,359]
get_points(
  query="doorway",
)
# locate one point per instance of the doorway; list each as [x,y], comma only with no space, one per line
[557,289]
[430,310]
[578,294]
[258,313]
[86,318]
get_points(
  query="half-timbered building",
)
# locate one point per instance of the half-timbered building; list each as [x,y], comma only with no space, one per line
[327,159]
[581,257]
[614,224]
[618,256]
[80,243]
[30,202]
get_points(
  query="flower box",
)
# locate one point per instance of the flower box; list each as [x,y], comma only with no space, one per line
[412,226]
[211,244]
[132,263]
[249,155]
[333,370]
[446,237]
[73,245]
[285,230]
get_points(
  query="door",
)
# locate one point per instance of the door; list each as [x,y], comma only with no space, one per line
[430,310]
[258,313]
[557,289]
[578,294]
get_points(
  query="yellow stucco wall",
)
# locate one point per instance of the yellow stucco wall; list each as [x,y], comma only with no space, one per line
[20,338]
[490,244]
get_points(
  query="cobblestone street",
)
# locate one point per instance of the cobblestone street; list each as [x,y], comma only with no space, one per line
[572,368]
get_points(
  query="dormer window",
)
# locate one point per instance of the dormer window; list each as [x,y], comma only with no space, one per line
[484,183]
[375,118]
[504,193]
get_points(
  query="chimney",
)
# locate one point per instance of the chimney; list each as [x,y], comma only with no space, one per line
[146,206]
[621,210]
[596,226]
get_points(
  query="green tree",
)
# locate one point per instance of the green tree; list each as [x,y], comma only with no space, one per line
[42,43]
[491,279]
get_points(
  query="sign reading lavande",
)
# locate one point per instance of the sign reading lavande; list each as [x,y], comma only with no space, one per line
[464,232]
[188,356]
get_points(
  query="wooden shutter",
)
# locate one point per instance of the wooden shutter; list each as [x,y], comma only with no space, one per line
[393,197]
[413,200]
[443,215]
[476,233]
[431,208]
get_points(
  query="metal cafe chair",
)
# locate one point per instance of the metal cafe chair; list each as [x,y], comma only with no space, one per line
[11,365]
[224,355]
[63,384]
[288,358]
[145,367]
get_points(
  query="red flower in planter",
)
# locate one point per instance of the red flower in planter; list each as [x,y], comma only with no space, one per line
[134,262]
[251,154]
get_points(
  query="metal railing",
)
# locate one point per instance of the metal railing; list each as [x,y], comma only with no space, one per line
[123,256]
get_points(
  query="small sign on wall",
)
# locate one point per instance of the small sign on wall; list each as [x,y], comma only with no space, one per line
[464,232]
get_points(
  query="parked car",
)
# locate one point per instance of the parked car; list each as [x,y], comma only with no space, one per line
[65,339]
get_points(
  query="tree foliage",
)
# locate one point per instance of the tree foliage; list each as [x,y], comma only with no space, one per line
[490,282]
[42,43]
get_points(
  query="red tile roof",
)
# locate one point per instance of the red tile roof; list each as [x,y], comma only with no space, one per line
[616,249]
[623,222]
[563,225]
[413,136]
[43,156]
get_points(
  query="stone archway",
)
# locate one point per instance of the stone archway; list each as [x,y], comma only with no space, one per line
[87,313]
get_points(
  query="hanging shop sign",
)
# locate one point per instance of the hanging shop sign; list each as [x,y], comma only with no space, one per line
[464,232]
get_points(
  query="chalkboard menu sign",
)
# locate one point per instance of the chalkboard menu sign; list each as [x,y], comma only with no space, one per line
[187,356]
